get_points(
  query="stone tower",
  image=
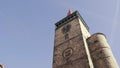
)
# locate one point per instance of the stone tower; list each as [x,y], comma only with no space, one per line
[73,47]
[1,66]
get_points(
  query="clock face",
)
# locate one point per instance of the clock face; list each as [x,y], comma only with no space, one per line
[66,28]
[67,53]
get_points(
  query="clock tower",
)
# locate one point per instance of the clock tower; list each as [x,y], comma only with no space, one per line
[70,46]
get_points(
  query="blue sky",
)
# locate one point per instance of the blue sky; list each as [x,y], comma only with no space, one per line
[27,28]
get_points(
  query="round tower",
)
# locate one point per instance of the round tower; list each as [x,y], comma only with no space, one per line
[2,66]
[100,52]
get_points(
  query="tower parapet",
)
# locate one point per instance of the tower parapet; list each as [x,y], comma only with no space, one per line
[69,18]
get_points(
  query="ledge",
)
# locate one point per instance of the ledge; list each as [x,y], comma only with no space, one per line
[69,18]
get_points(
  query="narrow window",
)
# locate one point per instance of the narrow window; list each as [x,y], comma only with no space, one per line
[68,28]
[96,41]
[66,36]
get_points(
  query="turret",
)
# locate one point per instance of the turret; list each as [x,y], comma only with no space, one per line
[2,66]
[100,52]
